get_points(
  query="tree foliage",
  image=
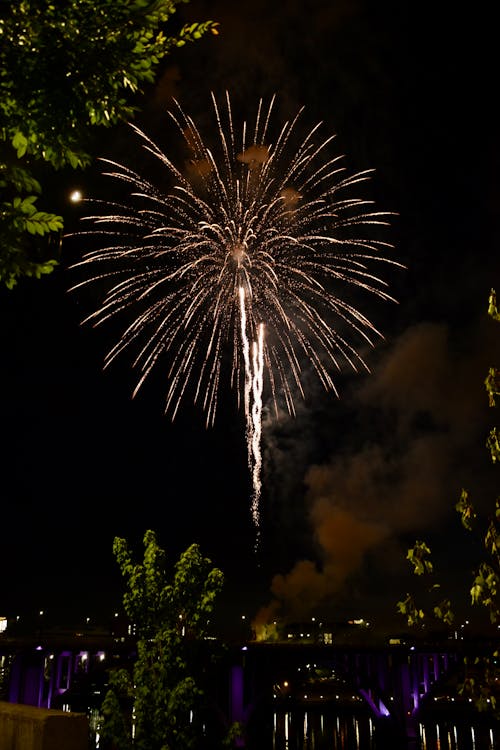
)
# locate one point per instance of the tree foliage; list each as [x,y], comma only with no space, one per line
[482,678]
[66,67]
[163,696]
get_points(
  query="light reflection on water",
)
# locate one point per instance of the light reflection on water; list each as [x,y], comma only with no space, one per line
[327,730]
[449,736]
[315,730]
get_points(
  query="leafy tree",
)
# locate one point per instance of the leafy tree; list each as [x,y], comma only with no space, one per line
[116,711]
[482,676]
[64,68]
[163,696]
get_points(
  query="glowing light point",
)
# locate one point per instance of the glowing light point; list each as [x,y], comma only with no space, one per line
[76,196]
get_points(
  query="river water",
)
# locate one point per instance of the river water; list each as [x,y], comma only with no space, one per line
[326,729]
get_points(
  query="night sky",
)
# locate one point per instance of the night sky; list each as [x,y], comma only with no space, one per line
[348,483]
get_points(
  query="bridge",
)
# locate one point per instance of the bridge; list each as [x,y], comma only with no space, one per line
[390,682]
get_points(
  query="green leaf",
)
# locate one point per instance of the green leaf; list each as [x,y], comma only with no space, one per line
[414,614]
[492,306]
[417,555]
[20,143]
[493,445]
[41,223]
[492,383]
[444,612]
[466,510]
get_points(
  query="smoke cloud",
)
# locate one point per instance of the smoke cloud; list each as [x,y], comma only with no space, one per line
[421,416]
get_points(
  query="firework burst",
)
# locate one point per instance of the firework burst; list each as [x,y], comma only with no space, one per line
[244,249]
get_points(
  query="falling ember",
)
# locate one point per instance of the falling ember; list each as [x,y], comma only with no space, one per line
[254,246]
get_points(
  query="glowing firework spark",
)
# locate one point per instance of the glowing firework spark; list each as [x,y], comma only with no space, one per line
[250,233]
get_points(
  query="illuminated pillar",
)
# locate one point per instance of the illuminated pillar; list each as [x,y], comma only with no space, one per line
[236,704]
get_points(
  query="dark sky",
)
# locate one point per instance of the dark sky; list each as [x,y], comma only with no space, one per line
[348,483]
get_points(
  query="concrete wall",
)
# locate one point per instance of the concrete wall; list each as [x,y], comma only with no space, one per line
[28,728]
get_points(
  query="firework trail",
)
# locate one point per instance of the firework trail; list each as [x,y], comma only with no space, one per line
[254,383]
[243,249]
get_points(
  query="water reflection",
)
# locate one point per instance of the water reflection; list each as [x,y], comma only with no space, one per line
[446,735]
[324,729]
[315,730]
